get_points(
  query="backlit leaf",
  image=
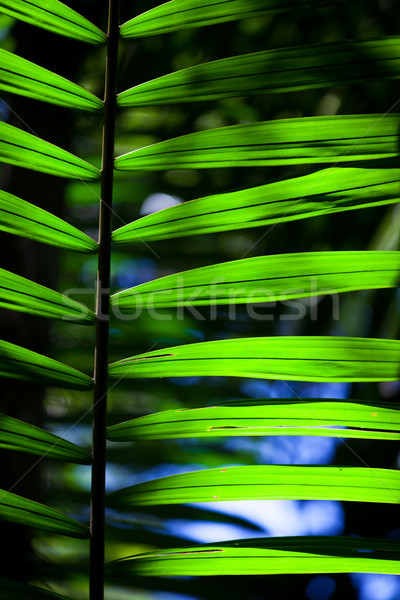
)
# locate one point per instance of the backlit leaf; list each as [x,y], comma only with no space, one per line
[266,279]
[181,14]
[23,77]
[347,419]
[281,142]
[23,149]
[18,293]
[20,363]
[310,358]
[27,512]
[21,436]
[54,16]
[266,556]
[328,191]
[282,70]
[269,482]
[27,220]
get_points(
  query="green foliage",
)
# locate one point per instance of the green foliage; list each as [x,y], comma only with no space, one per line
[21,294]
[287,141]
[264,417]
[26,150]
[54,16]
[20,76]
[284,358]
[283,70]
[320,193]
[299,145]
[21,510]
[23,218]
[288,277]
[263,483]
[179,14]
[17,435]
[20,363]
[268,555]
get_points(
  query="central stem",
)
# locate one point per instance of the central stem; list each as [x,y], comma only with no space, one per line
[102,313]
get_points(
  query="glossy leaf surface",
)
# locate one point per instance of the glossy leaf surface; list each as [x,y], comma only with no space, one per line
[18,293]
[23,149]
[266,556]
[23,437]
[350,419]
[54,16]
[20,363]
[27,512]
[299,358]
[23,77]
[328,191]
[181,14]
[282,70]
[281,142]
[266,279]
[27,220]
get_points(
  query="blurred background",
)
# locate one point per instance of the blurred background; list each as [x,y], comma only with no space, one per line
[61,563]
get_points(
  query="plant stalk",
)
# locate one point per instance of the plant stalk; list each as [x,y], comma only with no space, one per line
[102,313]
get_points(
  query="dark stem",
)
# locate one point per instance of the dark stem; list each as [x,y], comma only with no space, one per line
[102,312]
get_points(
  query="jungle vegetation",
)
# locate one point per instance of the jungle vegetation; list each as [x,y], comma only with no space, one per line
[200,256]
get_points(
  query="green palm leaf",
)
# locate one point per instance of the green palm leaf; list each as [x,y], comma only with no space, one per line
[293,358]
[328,191]
[281,142]
[25,150]
[266,556]
[54,16]
[21,436]
[264,483]
[283,70]
[27,512]
[181,14]
[23,77]
[27,220]
[266,279]
[20,363]
[363,420]
[18,293]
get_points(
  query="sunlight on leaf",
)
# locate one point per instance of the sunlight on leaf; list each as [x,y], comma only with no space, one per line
[266,279]
[309,358]
[23,364]
[27,512]
[23,437]
[54,16]
[19,293]
[181,14]
[27,220]
[307,416]
[328,191]
[282,142]
[264,483]
[266,556]
[23,149]
[282,70]
[23,77]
